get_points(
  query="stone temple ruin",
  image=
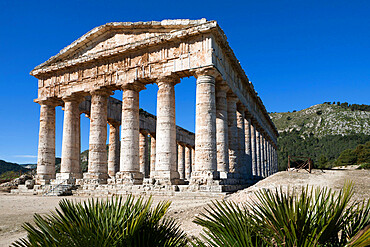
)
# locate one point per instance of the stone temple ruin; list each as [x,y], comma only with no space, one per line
[235,141]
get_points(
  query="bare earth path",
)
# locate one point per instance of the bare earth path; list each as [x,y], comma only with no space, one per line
[17,209]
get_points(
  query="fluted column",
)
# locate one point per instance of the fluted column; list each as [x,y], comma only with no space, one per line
[46,147]
[264,160]
[222,130]
[232,132]
[276,160]
[241,168]
[165,164]
[254,149]
[258,151]
[152,154]
[188,162]
[98,163]
[129,162]
[192,159]
[205,127]
[248,147]
[70,164]
[144,153]
[114,149]
[181,160]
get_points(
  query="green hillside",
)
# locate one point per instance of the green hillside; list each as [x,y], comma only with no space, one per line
[321,132]
[324,119]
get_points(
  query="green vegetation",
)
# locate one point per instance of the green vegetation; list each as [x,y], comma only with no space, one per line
[325,119]
[323,151]
[112,222]
[353,107]
[359,155]
[7,166]
[318,217]
[9,175]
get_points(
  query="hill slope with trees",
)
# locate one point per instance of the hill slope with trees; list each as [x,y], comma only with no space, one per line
[321,132]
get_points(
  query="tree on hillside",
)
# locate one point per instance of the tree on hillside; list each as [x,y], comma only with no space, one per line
[347,158]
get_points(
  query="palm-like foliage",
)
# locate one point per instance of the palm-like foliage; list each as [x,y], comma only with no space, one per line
[227,224]
[319,217]
[114,222]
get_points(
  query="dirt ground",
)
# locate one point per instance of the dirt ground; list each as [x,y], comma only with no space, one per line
[17,209]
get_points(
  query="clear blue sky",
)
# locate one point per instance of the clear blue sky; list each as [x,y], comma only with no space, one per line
[296,53]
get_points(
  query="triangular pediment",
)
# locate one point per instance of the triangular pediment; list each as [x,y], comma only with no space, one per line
[114,35]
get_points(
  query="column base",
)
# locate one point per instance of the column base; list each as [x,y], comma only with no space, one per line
[167,178]
[66,178]
[43,179]
[129,177]
[95,178]
[205,177]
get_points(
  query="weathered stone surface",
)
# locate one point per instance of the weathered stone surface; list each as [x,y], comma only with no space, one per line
[181,160]
[232,132]
[70,165]
[127,56]
[46,149]
[144,153]
[114,150]
[129,165]
[188,162]
[98,164]
[248,147]
[165,164]
[222,130]
[205,129]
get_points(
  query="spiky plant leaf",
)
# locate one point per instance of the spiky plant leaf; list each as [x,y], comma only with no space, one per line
[112,222]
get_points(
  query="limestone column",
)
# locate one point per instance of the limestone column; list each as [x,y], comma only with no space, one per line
[165,164]
[181,160]
[98,163]
[129,162]
[46,148]
[268,170]
[264,157]
[241,168]
[152,154]
[270,159]
[114,149]
[258,151]
[254,149]
[276,160]
[222,130]
[192,159]
[248,147]
[232,132]
[144,153]
[70,164]
[188,162]
[205,126]
[262,167]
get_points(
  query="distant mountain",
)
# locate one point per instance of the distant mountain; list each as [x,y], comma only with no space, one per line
[324,119]
[321,132]
[7,166]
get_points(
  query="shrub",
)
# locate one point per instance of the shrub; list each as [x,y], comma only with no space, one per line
[313,217]
[364,166]
[105,223]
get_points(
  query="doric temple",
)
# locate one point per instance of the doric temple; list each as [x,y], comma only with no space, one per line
[234,143]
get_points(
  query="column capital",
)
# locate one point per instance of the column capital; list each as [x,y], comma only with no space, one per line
[136,86]
[49,101]
[78,98]
[207,71]
[222,86]
[231,97]
[167,79]
[103,92]
[241,108]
